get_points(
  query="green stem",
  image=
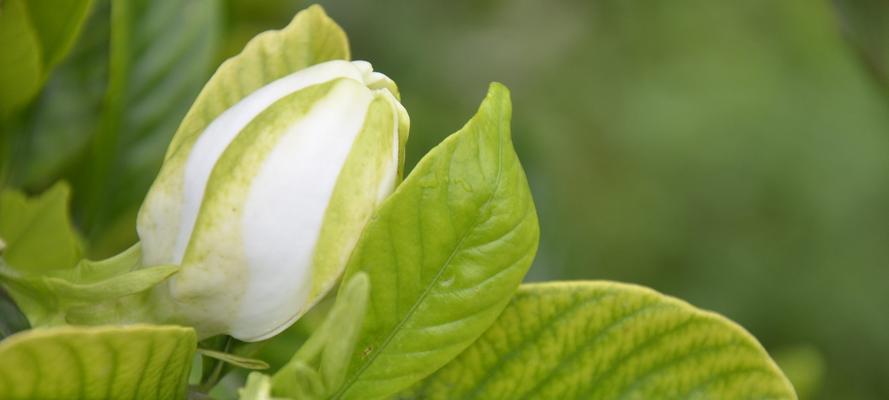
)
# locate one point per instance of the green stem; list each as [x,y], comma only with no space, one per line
[217,366]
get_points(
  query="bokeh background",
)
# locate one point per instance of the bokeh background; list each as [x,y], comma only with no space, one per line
[731,153]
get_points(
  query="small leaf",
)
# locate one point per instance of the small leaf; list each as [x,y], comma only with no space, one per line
[37,232]
[236,360]
[345,324]
[94,292]
[603,340]
[298,380]
[444,254]
[321,364]
[139,361]
[54,133]
[258,387]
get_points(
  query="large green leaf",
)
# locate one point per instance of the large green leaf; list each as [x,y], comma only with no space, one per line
[56,131]
[34,36]
[20,70]
[56,25]
[37,232]
[160,54]
[604,340]
[131,362]
[444,254]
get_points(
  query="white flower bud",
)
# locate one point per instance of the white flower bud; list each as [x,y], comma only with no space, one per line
[263,208]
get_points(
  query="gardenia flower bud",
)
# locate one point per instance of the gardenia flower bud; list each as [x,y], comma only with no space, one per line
[263,208]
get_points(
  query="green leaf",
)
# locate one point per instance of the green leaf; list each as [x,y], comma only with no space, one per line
[604,340]
[94,292]
[160,54]
[298,380]
[37,232]
[321,364]
[258,387]
[56,25]
[56,131]
[139,361]
[444,254]
[34,36]
[20,71]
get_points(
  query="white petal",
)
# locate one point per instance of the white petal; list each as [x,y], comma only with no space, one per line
[213,141]
[285,209]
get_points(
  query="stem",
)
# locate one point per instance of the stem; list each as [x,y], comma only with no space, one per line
[218,365]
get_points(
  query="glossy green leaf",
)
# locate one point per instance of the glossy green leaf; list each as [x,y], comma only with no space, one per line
[34,36]
[139,361]
[604,340]
[94,292]
[56,131]
[444,254]
[161,52]
[37,232]
[56,25]
[20,71]
[321,364]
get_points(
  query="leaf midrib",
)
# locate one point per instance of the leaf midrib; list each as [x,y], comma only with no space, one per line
[497,180]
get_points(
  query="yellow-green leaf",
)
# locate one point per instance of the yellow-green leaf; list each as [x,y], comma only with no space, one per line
[130,362]
[444,254]
[604,340]
[321,364]
[37,232]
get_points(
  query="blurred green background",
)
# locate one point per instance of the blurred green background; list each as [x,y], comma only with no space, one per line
[731,153]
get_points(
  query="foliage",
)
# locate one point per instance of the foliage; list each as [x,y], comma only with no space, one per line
[34,37]
[137,361]
[603,340]
[427,307]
